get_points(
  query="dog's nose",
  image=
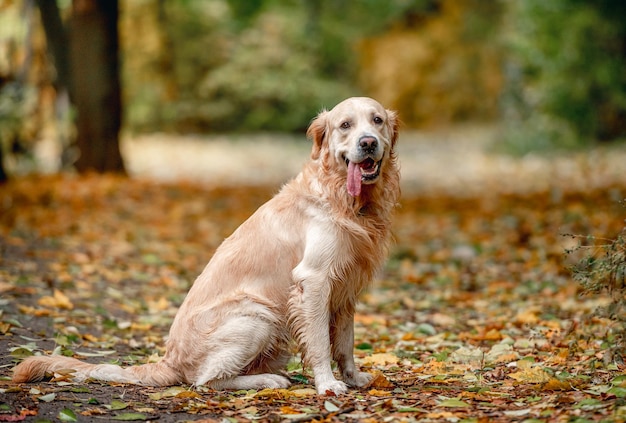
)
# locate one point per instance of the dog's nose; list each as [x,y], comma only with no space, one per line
[368,144]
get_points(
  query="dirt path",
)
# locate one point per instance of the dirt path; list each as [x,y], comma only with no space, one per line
[457,161]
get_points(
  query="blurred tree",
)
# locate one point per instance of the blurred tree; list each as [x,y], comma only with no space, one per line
[89,70]
[445,65]
[21,75]
[96,89]
[56,36]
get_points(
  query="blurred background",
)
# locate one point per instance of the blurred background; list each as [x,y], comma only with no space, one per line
[82,80]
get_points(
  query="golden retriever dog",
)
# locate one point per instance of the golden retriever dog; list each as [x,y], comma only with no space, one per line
[292,271]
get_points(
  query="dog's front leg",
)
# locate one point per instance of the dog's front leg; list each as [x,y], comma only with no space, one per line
[310,323]
[342,349]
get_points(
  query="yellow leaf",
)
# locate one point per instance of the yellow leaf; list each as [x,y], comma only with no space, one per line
[89,337]
[143,327]
[5,327]
[58,300]
[159,305]
[187,394]
[272,393]
[528,316]
[380,359]
[304,392]
[285,393]
[174,391]
[531,375]
[39,312]
[493,335]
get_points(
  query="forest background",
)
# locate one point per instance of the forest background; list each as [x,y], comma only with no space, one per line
[503,296]
[549,74]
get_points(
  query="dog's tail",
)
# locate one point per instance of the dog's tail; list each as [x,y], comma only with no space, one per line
[34,369]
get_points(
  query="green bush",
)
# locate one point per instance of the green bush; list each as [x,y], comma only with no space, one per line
[566,84]
[602,269]
[270,80]
[243,65]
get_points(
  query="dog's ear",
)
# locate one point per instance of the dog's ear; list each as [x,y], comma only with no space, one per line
[394,124]
[317,132]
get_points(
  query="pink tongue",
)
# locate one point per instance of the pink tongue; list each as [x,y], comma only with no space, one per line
[354,179]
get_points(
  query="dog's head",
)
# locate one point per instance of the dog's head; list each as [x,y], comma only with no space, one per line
[357,136]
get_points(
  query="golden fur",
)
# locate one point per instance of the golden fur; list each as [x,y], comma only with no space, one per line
[293,270]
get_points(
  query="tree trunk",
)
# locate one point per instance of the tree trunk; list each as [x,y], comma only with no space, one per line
[96,88]
[56,37]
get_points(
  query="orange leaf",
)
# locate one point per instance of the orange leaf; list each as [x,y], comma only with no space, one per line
[380,381]
[379,393]
[286,409]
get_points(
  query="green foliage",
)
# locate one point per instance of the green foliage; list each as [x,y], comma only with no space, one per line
[269,81]
[238,65]
[603,269]
[18,103]
[566,83]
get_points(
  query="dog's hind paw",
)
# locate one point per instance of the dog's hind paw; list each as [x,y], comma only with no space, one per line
[260,381]
[274,381]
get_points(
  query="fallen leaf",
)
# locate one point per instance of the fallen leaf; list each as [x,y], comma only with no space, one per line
[330,407]
[467,355]
[21,352]
[303,392]
[531,375]
[380,381]
[453,403]
[517,413]
[287,409]
[250,411]
[130,417]
[380,359]
[67,415]
[171,392]
[379,393]
[58,300]
[501,353]
[47,397]
[117,405]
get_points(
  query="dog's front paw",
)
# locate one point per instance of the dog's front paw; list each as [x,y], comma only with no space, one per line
[334,387]
[358,379]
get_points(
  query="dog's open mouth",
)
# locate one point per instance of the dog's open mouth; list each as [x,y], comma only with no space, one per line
[362,172]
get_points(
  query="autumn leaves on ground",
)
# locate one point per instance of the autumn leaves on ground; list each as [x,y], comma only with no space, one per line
[476,317]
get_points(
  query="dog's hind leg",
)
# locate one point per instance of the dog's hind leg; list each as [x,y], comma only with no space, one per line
[243,339]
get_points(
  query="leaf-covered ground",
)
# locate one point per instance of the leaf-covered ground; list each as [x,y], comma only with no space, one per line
[475,319]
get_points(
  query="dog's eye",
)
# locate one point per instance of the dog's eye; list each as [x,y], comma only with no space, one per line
[378,120]
[345,125]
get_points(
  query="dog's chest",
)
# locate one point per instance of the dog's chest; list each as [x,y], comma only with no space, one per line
[360,250]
